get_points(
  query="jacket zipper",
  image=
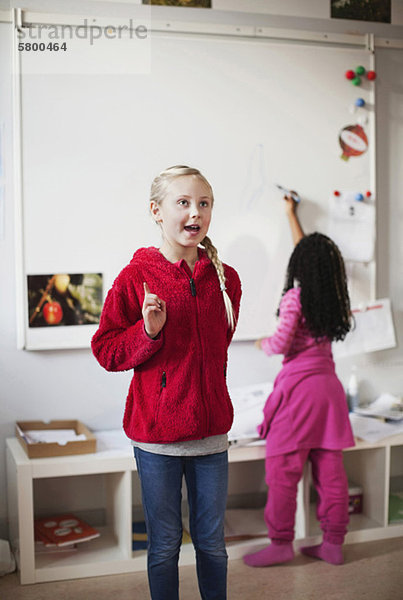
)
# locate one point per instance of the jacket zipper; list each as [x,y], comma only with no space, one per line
[193,292]
[162,386]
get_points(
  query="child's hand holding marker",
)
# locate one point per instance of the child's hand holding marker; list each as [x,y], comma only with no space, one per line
[154,312]
[289,193]
[291,199]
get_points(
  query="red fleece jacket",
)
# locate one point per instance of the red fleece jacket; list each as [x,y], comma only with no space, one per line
[178,391]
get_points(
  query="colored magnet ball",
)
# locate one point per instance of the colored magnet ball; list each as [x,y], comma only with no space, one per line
[371,75]
[350,74]
[360,102]
[336,193]
[360,70]
[356,81]
[359,197]
[368,194]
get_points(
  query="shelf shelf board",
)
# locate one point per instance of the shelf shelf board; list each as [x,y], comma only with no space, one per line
[101,550]
[358,522]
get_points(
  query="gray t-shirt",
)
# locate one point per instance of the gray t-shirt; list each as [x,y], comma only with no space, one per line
[209,445]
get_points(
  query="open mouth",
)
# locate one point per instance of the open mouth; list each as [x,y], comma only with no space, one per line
[192,228]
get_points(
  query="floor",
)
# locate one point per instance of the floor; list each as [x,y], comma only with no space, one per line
[372,571]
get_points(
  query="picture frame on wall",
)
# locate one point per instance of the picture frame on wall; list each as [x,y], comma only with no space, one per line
[190,3]
[63,309]
[372,10]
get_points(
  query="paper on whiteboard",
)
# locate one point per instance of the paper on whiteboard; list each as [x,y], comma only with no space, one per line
[352,226]
[373,330]
[248,402]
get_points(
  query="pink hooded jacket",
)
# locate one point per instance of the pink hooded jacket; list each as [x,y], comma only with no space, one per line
[307,407]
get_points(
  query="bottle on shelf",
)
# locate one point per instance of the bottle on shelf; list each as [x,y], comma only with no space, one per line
[352,390]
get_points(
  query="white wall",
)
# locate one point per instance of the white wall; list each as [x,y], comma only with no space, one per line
[64,384]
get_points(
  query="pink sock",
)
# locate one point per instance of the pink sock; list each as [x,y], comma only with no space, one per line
[273,554]
[331,553]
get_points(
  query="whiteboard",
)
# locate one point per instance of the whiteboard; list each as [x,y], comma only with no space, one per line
[247,113]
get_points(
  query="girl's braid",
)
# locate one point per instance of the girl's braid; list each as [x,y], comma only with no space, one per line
[219,267]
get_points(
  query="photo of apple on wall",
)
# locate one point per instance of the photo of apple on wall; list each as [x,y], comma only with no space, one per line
[64,299]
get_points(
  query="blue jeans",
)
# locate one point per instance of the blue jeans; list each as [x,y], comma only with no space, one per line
[161,485]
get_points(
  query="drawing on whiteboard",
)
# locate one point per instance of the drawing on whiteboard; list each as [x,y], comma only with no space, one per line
[255,249]
[255,180]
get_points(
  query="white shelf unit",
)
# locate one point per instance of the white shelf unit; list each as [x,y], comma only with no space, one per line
[378,468]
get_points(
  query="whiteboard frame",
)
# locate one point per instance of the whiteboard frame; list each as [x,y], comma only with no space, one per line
[22,18]
[29,17]
[20,280]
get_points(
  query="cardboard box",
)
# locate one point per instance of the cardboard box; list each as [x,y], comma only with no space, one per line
[44,449]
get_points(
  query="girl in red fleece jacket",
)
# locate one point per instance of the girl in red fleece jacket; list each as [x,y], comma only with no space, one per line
[170,317]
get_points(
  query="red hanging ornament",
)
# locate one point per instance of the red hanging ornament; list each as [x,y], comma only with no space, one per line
[353,141]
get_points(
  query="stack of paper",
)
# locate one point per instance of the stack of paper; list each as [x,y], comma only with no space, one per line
[372,430]
[386,406]
[248,402]
[52,436]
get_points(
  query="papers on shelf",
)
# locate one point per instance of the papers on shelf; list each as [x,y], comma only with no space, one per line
[371,429]
[248,402]
[386,406]
[373,330]
[52,436]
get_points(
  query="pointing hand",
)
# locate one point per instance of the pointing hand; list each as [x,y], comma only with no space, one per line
[154,312]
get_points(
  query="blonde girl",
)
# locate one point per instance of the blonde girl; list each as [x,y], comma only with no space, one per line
[170,317]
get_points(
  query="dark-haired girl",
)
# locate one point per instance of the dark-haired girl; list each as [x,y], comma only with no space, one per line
[306,415]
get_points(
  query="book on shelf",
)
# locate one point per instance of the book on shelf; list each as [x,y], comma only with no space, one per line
[63,530]
[139,535]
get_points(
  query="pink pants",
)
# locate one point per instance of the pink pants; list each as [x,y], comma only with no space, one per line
[283,473]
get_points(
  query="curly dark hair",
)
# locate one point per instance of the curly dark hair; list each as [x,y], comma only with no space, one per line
[318,267]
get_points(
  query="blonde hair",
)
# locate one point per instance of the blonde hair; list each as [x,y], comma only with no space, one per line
[158,191]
